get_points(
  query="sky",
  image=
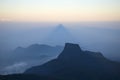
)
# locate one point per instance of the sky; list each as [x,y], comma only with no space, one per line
[59,10]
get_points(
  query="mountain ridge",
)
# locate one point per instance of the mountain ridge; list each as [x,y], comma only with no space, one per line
[75,64]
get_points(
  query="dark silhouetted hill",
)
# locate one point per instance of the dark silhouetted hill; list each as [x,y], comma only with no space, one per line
[73,64]
[76,64]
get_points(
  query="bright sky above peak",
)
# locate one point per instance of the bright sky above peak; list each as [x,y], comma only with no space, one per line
[60,10]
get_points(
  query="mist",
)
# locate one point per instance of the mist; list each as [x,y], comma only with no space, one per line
[94,36]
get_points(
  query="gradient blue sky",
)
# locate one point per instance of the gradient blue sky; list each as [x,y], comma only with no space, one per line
[60,10]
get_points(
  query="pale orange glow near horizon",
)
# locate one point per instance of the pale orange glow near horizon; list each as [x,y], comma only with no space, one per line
[60,10]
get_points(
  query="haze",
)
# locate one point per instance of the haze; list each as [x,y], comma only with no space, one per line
[96,36]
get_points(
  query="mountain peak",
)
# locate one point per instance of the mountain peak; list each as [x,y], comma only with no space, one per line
[72,46]
[70,51]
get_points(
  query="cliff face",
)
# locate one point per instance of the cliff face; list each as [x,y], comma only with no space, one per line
[75,64]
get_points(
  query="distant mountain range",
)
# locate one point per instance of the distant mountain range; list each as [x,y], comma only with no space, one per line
[21,58]
[36,50]
[73,64]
